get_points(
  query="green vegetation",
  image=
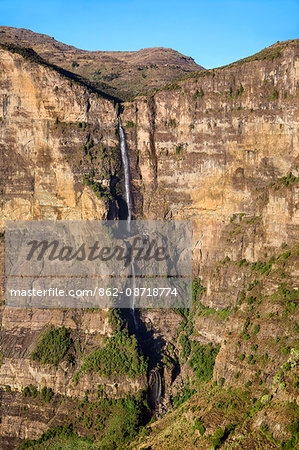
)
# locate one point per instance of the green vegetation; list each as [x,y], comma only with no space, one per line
[53,346]
[112,423]
[240,90]
[100,190]
[120,355]
[30,391]
[288,180]
[179,148]
[202,360]
[171,123]
[207,311]
[46,394]
[198,94]
[129,124]
[262,267]
[65,431]
[199,425]
[197,289]
[186,346]
[221,434]
[183,396]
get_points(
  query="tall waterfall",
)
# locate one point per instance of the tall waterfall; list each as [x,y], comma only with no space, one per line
[125,161]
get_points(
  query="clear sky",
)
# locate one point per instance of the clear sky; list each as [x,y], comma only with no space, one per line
[213,32]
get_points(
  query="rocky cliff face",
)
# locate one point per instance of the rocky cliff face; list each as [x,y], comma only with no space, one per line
[53,132]
[216,148]
[204,147]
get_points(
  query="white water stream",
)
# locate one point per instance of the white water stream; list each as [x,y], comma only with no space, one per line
[125,161]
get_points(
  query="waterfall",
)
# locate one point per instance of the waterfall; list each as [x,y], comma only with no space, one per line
[125,161]
[158,386]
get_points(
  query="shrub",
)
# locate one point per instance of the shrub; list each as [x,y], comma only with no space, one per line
[30,391]
[251,359]
[197,289]
[202,360]
[262,267]
[186,346]
[46,394]
[295,328]
[130,124]
[179,148]
[285,350]
[198,94]
[286,366]
[288,180]
[221,434]
[199,425]
[256,328]
[53,346]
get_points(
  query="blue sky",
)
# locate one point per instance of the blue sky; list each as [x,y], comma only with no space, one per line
[213,32]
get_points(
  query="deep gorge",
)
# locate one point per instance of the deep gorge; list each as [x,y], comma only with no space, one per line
[218,147]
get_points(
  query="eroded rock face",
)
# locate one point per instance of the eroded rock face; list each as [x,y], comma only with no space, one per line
[203,149]
[206,150]
[40,134]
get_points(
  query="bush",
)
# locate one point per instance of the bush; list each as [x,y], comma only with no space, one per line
[46,394]
[30,391]
[186,346]
[221,434]
[198,94]
[202,360]
[288,180]
[251,359]
[262,267]
[285,350]
[197,289]
[199,425]
[53,346]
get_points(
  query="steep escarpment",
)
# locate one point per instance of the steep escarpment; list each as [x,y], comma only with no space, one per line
[216,137]
[55,134]
[219,148]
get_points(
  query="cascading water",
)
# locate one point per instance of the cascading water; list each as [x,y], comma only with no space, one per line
[125,161]
[157,386]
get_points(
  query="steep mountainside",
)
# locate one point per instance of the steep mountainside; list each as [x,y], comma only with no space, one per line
[122,74]
[220,148]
